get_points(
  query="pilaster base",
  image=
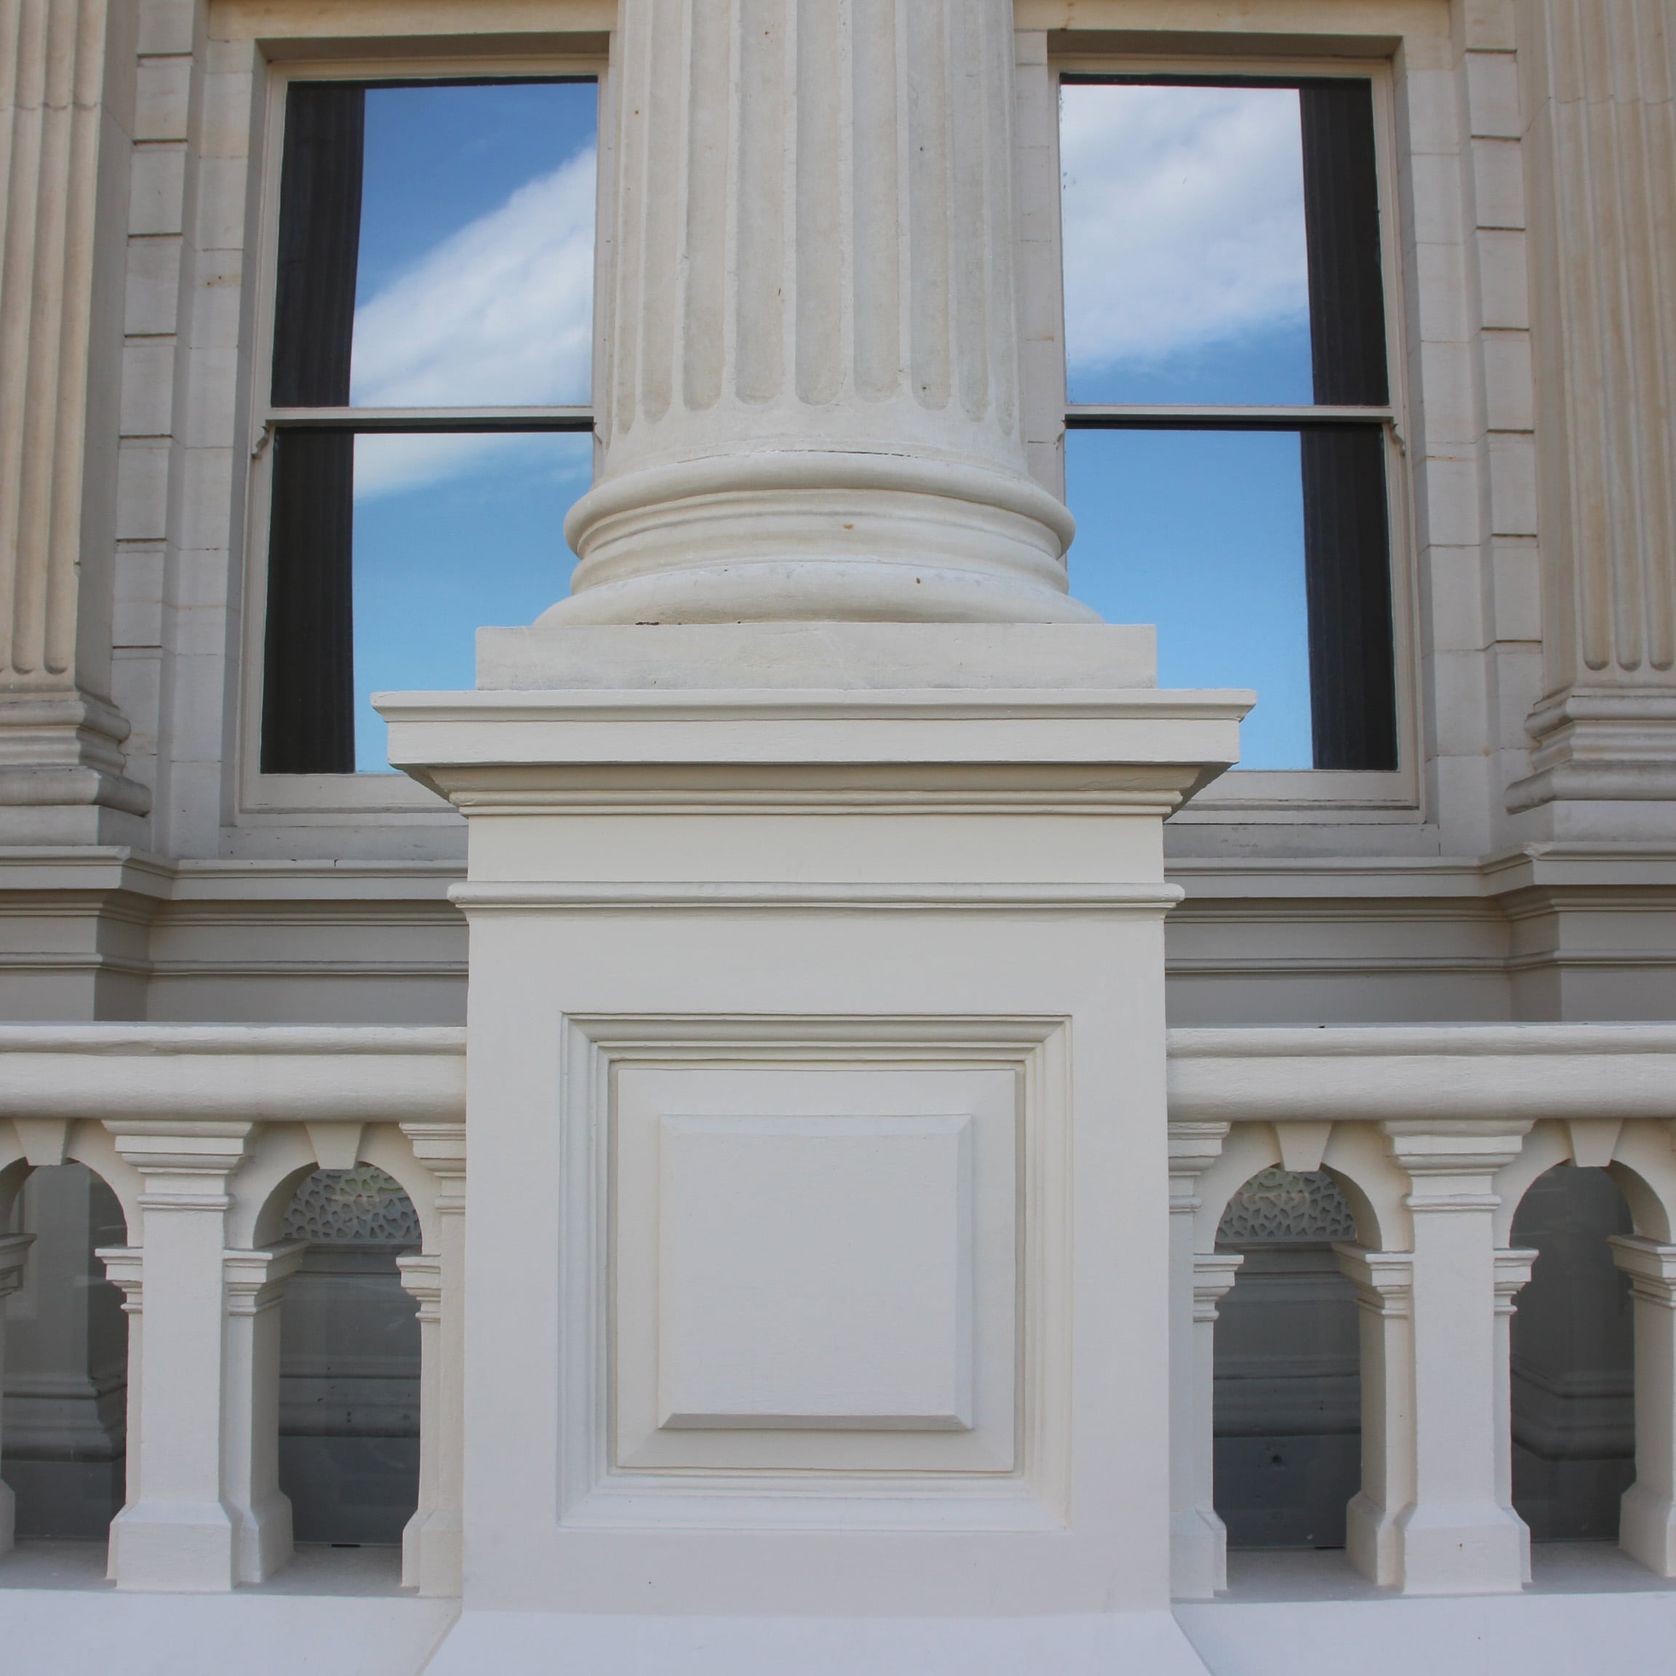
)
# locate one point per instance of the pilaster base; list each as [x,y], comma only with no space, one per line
[1462,1550]
[1647,1529]
[184,1547]
[537,1644]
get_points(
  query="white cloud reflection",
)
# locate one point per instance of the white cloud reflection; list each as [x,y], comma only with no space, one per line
[499,313]
[1183,219]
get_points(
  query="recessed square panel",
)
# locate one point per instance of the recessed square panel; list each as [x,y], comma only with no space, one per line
[815,1268]
[815,1272]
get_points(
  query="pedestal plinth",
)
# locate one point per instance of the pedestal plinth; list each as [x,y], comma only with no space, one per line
[816,1225]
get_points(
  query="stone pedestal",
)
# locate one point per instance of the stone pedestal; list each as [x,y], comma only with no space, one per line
[817,1217]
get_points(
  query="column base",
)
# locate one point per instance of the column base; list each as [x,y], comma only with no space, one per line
[1092,1644]
[1647,1529]
[183,1547]
[1198,1555]
[263,1543]
[431,1554]
[1462,1551]
[1371,1540]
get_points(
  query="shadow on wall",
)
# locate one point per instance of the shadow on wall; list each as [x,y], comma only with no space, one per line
[349,1362]
[64,1422]
[1573,1369]
[1288,1431]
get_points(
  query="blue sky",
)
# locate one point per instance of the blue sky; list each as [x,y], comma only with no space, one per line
[474,288]
[1185,282]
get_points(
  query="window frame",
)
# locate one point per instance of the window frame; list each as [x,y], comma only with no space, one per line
[365,792]
[1287,795]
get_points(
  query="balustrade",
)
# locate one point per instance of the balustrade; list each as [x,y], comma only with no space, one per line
[203,1135]
[1431,1136]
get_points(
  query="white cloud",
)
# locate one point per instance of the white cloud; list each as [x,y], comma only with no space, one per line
[498,313]
[1183,219]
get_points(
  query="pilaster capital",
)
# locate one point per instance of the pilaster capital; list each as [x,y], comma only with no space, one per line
[441,1148]
[1453,1165]
[1213,1275]
[1650,1265]
[1194,1147]
[14,1249]
[125,1270]
[255,1280]
[1512,1274]
[184,1166]
[1384,1280]
[421,1273]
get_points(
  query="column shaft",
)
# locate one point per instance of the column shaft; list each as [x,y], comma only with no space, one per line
[179,1532]
[1458,1534]
[64,125]
[1647,1517]
[431,1543]
[812,409]
[1599,84]
[261,1511]
[1384,1298]
[1198,1281]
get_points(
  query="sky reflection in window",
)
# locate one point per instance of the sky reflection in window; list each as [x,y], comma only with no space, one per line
[1186,275]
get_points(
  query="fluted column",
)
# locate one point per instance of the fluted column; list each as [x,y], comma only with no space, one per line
[65,73]
[812,404]
[1599,84]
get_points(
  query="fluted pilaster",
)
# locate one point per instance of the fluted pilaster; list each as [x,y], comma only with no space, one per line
[812,404]
[1600,89]
[63,165]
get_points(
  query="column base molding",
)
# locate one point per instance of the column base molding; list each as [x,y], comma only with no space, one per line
[183,1547]
[1612,746]
[1461,1550]
[63,778]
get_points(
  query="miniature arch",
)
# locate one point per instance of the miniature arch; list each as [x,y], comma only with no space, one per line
[27,1145]
[287,1154]
[1642,1165]
[1359,1172]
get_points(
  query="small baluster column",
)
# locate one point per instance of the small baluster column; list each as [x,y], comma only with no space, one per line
[1513,1273]
[1384,1283]
[812,407]
[431,1543]
[1647,1514]
[261,1511]
[14,1249]
[1198,1282]
[177,1530]
[1459,1533]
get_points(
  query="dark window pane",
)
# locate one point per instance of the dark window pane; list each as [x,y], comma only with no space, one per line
[1341,208]
[1186,275]
[451,532]
[1202,533]
[1348,566]
[308,676]
[319,233]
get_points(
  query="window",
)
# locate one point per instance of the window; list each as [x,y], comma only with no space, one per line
[1231,421]
[427,423]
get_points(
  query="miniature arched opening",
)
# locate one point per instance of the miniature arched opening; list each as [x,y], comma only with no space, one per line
[1288,1371]
[349,1362]
[1573,1372]
[63,1427]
